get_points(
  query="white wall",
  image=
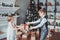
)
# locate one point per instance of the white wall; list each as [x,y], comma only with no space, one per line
[7,1]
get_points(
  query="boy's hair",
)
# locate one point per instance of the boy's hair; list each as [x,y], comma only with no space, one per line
[9,18]
[42,10]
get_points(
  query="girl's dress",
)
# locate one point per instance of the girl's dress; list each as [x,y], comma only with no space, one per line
[10,31]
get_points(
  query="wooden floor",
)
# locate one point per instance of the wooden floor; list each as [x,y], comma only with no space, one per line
[55,36]
[6,39]
[3,39]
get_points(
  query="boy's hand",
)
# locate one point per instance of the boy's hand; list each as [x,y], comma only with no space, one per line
[27,23]
[31,28]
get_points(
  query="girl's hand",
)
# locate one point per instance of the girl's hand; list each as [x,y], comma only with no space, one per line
[15,28]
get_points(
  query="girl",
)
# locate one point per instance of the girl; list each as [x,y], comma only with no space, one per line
[11,30]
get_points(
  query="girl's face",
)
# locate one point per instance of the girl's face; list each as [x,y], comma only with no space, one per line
[10,19]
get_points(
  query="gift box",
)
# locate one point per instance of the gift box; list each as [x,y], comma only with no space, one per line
[24,37]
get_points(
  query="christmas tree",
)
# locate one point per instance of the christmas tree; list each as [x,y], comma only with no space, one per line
[32,14]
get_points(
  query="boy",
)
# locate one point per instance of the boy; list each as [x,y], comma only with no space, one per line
[42,24]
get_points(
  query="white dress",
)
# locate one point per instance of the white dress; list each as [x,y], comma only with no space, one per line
[10,32]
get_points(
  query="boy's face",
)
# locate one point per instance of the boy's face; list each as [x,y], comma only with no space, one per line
[41,13]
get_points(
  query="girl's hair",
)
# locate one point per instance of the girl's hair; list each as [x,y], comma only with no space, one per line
[9,18]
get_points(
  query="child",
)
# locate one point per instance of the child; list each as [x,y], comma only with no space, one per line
[42,24]
[11,30]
